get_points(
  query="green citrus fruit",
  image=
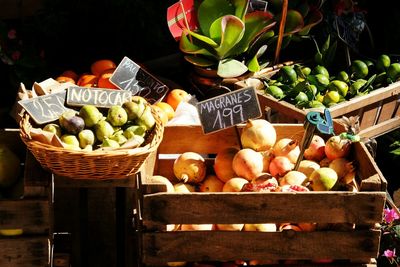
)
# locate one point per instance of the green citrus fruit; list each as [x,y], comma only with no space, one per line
[343,76]
[339,86]
[319,97]
[383,62]
[311,90]
[393,71]
[316,104]
[275,91]
[331,97]
[320,70]
[354,87]
[301,97]
[288,74]
[306,71]
[359,69]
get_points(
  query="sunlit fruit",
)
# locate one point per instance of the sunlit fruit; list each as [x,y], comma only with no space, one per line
[223,163]
[190,167]
[359,69]
[176,96]
[101,65]
[258,134]
[167,108]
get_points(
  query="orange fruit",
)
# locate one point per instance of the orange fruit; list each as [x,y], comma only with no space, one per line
[64,79]
[87,80]
[99,66]
[71,74]
[104,79]
[163,115]
[176,96]
[167,108]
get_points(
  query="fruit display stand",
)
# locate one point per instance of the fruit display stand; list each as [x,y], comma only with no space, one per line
[28,209]
[343,243]
[378,111]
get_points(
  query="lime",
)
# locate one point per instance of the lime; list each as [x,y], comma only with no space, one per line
[339,86]
[319,97]
[275,91]
[369,64]
[383,62]
[320,70]
[306,71]
[359,69]
[343,76]
[288,74]
[331,97]
[393,71]
[316,104]
[311,90]
[354,87]
[301,97]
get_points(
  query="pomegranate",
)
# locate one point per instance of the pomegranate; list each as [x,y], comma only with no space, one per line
[279,166]
[260,227]
[307,227]
[230,227]
[287,147]
[248,163]
[316,149]
[263,183]
[190,167]
[324,162]
[234,184]
[258,134]
[323,179]
[337,147]
[294,188]
[211,184]
[293,178]
[223,163]
[307,167]
[267,157]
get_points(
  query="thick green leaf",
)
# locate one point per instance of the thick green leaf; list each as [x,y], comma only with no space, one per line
[256,23]
[253,65]
[314,17]
[294,22]
[204,40]
[259,41]
[228,31]
[240,8]
[229,68]
[199,61]
[210,10]
[189,47]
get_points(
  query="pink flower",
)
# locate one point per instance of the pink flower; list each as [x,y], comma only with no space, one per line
[390,215]
[12,34]
[390,253]
[16,55]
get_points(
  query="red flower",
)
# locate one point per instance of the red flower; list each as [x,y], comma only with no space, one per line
[12,34]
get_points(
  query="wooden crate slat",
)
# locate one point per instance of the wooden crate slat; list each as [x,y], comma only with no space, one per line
[381,128]
[231,245]
[24,252]
[30,215]
[329,207]
[388,109]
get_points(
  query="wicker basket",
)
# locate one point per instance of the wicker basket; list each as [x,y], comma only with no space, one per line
[97,164]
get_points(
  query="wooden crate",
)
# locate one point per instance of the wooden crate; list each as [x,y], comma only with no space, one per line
[379,111]
[27,208]
[352,246]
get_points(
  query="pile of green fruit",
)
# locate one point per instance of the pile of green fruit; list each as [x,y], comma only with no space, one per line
[93,128]
[314,87]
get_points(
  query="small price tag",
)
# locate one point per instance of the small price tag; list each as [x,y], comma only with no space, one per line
[229,109]
[46,108]
[131,77]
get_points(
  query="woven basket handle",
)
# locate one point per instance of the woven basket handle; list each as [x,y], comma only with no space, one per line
[281,31]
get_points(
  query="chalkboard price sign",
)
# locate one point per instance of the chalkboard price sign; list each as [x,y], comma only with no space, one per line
[131,77]
[229,109]
[99,97]
[46,108]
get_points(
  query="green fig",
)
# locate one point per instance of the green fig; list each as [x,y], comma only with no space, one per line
[86,137]
[147,119]
[71,122]
[103,130]
[70,140]
[134,108]
[90,114]
[323,179]
[53,128]
[109,143]
[134,130]
[117,115]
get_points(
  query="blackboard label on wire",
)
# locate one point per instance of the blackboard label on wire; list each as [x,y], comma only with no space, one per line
[45,108]
[99,97]
[229,109]
[131,77]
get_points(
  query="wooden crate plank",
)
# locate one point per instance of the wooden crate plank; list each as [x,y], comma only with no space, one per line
[67,182]
[381,128]
[24,252]
[231,245]
[33,216]
[388,109]
[369,115]
[244,207]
